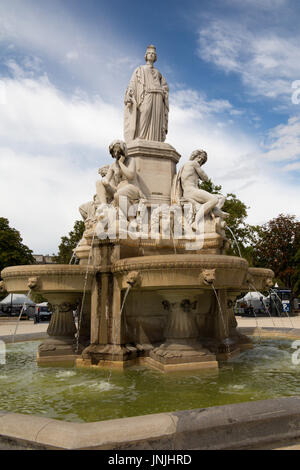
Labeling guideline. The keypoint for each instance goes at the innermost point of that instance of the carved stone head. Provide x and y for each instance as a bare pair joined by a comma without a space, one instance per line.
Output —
269,282
118,149
207,277
150,54
32,282
133,279
103,170
2,287
200,155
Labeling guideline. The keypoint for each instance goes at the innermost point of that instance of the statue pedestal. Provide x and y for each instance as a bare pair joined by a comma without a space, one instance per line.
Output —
155,168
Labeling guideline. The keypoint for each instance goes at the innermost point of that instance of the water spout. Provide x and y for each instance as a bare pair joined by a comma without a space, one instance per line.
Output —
256,320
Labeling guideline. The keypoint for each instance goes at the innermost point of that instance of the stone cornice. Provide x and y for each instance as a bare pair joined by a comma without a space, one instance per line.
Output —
147,263
46,270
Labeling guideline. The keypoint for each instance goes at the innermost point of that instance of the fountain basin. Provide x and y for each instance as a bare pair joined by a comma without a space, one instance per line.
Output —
198,288
65,287
183,270
265,373
48,279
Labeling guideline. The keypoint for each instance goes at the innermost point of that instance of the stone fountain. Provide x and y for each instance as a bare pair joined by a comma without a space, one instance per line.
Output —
153,285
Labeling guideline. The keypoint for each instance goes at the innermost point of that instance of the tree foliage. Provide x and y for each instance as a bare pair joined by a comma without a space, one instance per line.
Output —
12,251
68,244
296,277
277,246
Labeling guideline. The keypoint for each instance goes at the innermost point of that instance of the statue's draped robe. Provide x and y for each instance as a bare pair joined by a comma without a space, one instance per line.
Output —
147,117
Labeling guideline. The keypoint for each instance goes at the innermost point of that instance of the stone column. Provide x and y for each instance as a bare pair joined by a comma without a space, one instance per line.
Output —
60,346
227,346
181,349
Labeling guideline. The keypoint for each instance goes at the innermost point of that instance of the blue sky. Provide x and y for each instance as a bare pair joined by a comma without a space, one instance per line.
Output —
64,68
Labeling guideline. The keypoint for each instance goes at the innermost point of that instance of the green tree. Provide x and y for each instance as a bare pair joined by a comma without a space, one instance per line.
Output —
236,221
276,247
68,244
37,298
296,277
12,251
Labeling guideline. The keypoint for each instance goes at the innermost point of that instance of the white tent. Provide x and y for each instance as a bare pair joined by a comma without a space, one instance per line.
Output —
253,299
16,300
253,296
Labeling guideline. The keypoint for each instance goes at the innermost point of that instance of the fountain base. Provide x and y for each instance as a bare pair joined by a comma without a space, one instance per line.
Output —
181,355
57,350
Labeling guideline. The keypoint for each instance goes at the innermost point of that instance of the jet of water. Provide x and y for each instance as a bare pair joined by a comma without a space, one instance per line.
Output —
20,315
263,305
256,320
83,295
73,254
235,240
284,311
226,340
116,331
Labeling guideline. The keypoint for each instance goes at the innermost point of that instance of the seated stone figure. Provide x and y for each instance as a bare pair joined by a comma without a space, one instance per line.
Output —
106,189
121,176
88,211
186,186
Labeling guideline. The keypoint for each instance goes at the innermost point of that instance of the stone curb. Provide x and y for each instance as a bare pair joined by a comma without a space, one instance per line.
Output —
270,331
23,337
238,426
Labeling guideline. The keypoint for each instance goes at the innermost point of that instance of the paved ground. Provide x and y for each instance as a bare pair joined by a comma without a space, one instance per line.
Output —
24,327
274,322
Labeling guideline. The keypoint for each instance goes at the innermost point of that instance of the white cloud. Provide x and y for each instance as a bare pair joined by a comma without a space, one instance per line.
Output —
199,105
101,62
44,178
40,196
36,112
292,167
72,56
258,4
266,60
283,141
238,163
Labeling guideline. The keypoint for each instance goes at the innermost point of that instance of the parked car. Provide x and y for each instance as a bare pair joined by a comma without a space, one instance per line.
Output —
42,313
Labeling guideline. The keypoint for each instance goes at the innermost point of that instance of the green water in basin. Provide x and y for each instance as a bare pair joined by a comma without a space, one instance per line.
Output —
85,395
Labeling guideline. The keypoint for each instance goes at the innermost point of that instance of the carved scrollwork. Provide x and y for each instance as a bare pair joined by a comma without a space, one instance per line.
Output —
186,305
63,307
